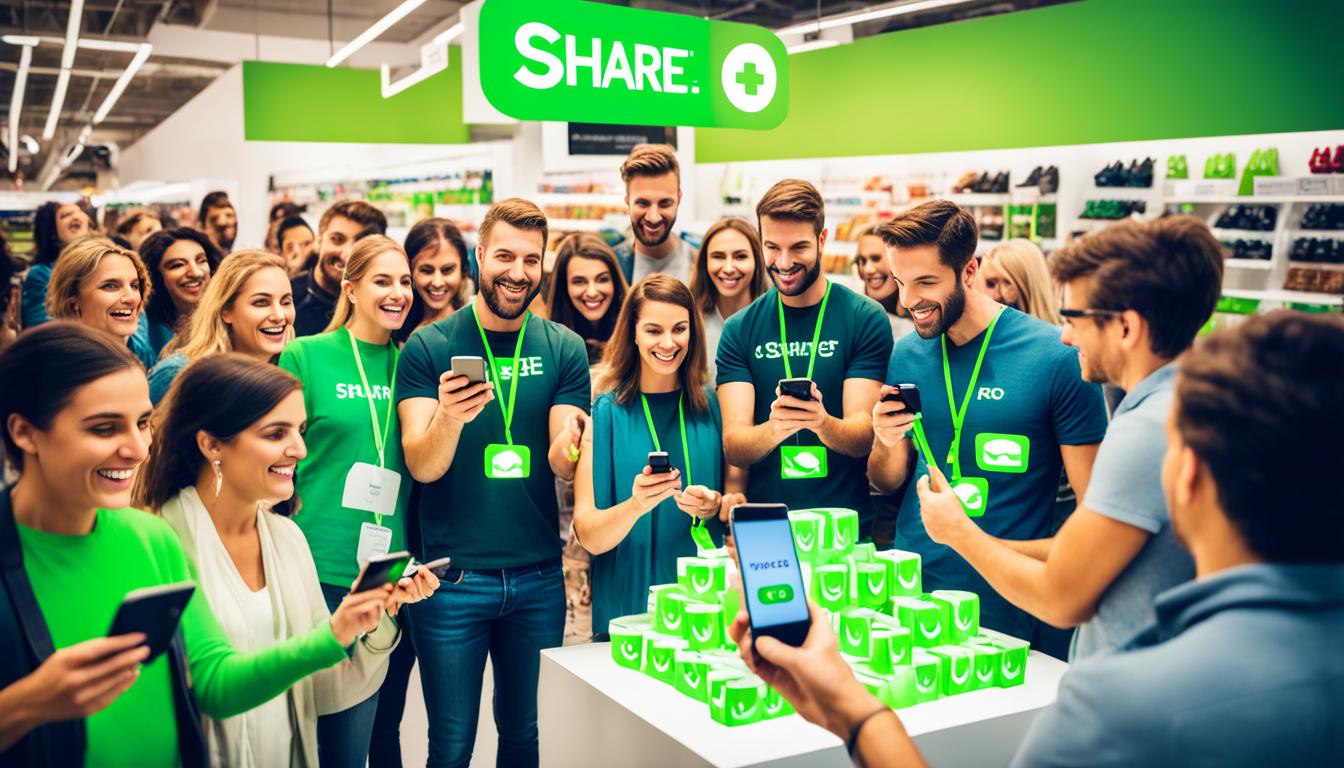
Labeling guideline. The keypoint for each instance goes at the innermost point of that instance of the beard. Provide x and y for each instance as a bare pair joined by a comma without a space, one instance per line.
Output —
809,277
949,312
490,291
647,242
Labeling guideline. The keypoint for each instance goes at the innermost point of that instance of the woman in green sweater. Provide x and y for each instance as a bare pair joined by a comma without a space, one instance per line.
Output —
75,408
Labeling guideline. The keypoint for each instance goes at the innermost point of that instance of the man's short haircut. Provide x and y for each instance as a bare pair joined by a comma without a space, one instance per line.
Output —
217,199
650,160
793,200
367,216
1259,404
516,212
1170,271
939,223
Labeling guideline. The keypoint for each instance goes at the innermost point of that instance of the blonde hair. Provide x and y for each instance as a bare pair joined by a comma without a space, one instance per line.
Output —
650,160
207,333
1024,263
77,261
362,255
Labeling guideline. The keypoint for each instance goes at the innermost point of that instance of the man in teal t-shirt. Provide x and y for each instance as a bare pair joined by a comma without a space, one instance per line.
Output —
488,455
802,452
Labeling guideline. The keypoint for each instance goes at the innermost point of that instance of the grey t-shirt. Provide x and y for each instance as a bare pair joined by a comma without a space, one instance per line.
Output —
713,330
1126,486
677,263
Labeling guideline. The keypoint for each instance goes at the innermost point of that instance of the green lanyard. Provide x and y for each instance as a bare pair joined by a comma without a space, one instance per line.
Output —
959,416
703,541
816,333
507,412
379,436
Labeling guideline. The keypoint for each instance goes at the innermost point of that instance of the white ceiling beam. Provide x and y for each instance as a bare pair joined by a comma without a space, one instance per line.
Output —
67,61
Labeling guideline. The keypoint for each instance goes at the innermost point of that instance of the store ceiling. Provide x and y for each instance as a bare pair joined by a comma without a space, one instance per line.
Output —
165,83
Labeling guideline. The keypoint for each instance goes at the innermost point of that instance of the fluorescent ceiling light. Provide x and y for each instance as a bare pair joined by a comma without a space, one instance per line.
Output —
812,45
67,61
847,19
30,144
141,54
108,45
450,34
16,105
369,35
20,39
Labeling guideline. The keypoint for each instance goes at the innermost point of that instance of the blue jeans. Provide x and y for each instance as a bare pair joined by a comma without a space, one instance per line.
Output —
343,737
511,615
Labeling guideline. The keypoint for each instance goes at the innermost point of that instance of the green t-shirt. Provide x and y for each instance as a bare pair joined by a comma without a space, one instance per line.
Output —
496,523
340,433
855,343
79,582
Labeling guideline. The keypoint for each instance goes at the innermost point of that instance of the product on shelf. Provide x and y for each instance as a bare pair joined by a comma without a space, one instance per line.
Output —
1259,250
1045,179
1137,174
1222,166
1177,168
1256,218
1315,280
989,220
982,183
1323,216
1112,209
905,645
1318,250
1264,162
1322,163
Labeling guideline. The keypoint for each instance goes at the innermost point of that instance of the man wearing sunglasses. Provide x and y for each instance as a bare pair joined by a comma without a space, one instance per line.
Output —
1135,295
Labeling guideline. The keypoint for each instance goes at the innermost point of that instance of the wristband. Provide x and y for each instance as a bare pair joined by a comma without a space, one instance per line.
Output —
854,732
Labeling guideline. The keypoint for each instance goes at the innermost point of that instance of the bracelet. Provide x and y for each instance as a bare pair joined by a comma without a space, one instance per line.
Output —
854,732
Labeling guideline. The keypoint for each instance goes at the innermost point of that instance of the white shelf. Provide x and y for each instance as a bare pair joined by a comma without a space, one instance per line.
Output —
1238,199
1296,297
1320,234
1260,264
578,225
1243,234
578,198
978,199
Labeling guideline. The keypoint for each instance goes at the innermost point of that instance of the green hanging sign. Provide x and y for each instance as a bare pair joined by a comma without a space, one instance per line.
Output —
573,61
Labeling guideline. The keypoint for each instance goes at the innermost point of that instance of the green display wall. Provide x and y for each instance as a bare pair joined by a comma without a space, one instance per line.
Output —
1079,73
300,102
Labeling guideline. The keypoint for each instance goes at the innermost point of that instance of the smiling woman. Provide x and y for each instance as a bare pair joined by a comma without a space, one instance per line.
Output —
587,290
101,285
180,262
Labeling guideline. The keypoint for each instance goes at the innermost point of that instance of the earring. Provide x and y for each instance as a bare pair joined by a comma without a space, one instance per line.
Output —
219,478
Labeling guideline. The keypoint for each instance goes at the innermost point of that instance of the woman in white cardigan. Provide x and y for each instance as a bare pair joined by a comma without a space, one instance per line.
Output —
227,440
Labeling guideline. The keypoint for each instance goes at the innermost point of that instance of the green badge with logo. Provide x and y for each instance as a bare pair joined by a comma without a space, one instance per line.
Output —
1002,453
802,462
974,495
580,61
503,461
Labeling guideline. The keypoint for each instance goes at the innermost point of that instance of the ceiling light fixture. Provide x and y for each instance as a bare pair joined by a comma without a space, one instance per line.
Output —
141,55
16,106
812,45
109,45
30,144
862,16
67,61
369,35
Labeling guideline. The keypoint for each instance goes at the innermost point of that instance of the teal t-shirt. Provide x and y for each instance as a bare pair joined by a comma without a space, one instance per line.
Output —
507,522
1030,399
340,433
855,343
648,554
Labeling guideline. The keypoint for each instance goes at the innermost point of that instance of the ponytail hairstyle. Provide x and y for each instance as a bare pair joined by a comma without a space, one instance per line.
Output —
621,361
362,255
221,395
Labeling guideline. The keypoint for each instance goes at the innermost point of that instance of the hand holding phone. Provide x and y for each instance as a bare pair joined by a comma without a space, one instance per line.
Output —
659,463
772,579
797,387
463,402
381,571
470,366
153,612
892,424
907,395
651,487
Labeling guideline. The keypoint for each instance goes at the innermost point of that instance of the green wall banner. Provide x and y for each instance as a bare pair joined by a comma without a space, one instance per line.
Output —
577,61
300,102
1077,73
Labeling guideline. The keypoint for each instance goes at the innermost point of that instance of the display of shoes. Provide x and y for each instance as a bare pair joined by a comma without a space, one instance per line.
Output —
1256,218
1259,250
1137,174
1321,162
1319,250
1323,216
1323,280
1222,166
1034,178
1044,178
1112,209
982,183
1177,167
966,182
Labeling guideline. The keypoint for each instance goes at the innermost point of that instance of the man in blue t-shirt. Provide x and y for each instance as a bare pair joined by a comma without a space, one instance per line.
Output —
1004,407
1135,295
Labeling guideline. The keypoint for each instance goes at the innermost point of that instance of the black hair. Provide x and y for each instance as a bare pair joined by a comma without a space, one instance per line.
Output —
286,210
217,199
289,222
427,234
47,243
161,307
41,372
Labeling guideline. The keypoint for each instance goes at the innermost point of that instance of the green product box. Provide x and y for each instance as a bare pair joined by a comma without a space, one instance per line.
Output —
864,552
905,579
627,646
726,660
963,611
1013,665
692,674
809,532
831,586
731,600
928,669
776,705
655,591
641,621
703,578
854,630
924,619
842,532
988,659
670,614
890,647
739,701
958,672
900,688
660,661
875,683
873,585
703,625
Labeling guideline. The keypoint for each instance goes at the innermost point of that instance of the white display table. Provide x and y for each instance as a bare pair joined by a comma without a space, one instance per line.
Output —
593,713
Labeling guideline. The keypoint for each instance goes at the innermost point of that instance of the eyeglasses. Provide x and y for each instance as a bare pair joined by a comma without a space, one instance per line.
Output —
1091,312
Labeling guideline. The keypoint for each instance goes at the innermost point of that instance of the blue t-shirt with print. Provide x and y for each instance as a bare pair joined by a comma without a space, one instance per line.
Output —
1029,400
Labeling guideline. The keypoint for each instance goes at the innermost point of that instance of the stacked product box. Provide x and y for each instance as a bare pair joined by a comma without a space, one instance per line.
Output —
905,645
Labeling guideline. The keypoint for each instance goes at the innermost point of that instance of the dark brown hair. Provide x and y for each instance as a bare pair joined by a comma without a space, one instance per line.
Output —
42,370
516,212
1259,404
702,287
650,160
1170,271
622,362
560,308
161,307
364,214
939,223
222,395
793,200
213,200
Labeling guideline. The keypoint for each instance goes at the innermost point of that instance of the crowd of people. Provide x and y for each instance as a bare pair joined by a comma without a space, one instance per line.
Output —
176,409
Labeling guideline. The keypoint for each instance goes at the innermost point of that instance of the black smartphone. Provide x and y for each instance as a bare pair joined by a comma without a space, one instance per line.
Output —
155,612
659,463
438,567
905,393
799,388
387,569
470,366
772,580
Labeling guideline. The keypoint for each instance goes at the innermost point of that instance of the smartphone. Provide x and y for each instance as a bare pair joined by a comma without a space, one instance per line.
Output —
659,463
772,580
470,366
387,569
437,567
155,612
799,388
906,393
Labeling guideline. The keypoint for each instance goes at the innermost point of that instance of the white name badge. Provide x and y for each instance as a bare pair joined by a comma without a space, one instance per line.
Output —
371,488
374,541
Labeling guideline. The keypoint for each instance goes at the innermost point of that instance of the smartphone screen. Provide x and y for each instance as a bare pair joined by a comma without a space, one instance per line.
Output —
771,578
